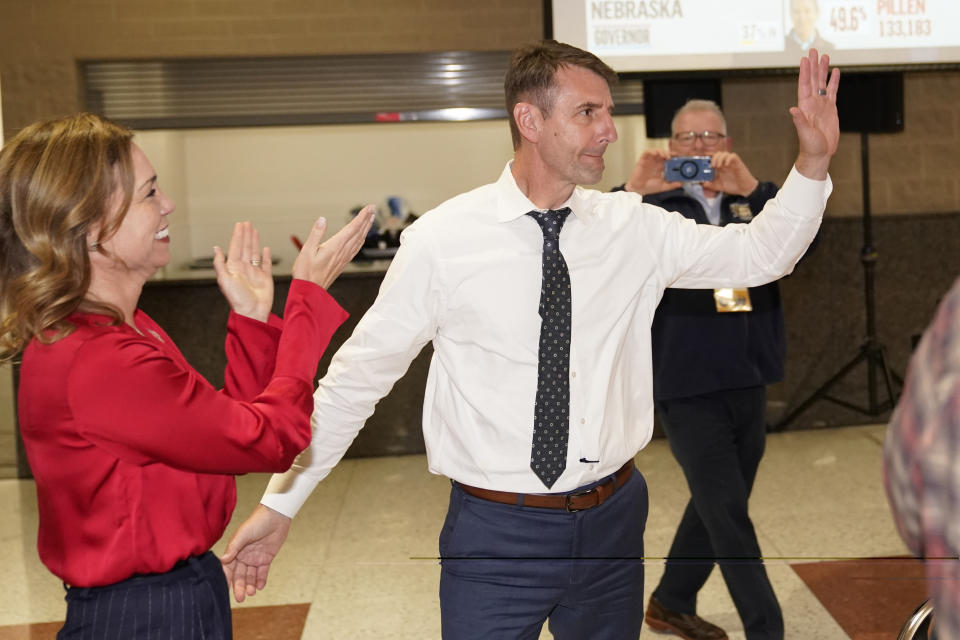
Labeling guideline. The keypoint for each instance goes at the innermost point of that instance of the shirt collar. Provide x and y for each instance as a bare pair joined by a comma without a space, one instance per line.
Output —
693,190
711,207
804,44
512,204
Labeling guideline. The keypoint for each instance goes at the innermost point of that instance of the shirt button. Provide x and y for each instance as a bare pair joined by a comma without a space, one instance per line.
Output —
583,421
573,374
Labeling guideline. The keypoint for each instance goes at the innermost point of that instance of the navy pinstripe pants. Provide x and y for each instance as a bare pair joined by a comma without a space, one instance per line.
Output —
186,603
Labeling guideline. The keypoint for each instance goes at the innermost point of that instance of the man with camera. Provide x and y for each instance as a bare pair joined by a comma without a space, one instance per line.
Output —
714,352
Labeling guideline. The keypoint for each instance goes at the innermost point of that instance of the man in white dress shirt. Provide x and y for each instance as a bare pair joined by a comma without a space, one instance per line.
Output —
520,547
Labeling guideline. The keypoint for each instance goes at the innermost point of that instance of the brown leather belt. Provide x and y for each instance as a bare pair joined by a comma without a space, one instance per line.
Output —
578,501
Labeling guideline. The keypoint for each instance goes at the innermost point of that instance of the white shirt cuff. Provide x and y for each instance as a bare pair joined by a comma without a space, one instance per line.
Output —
286,492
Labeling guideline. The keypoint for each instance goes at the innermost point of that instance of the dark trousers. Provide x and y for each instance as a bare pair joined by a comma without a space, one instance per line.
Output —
506,569
718,439
187,603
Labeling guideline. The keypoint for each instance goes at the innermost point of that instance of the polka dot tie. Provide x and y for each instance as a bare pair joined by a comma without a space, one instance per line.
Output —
548,457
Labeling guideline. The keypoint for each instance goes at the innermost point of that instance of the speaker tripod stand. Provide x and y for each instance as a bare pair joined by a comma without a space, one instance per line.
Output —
871,352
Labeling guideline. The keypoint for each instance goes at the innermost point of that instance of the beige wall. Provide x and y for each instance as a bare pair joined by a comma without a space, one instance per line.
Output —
284,177
8,448
8,451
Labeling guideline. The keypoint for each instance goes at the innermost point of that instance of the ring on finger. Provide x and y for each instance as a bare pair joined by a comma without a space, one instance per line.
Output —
821,92
255,262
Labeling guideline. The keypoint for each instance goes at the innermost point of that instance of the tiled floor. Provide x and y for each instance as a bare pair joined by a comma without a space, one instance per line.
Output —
362,551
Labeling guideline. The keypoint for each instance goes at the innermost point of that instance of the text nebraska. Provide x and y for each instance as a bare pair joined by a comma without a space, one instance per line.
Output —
635,9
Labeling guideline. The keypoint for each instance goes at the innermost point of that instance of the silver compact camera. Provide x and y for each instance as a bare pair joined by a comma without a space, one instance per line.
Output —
688,169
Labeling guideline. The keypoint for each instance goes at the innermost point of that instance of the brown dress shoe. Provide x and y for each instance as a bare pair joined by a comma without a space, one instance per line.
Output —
685,625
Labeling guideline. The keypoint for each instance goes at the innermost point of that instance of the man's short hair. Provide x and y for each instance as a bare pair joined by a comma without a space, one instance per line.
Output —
532,74
697,104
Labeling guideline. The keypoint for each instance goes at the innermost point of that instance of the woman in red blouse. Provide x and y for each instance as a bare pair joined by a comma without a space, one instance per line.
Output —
132,450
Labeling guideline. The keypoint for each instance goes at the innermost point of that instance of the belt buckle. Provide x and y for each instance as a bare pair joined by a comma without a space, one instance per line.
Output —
570,509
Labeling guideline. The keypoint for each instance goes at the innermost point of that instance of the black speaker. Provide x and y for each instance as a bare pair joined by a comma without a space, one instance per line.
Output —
871,102
662,98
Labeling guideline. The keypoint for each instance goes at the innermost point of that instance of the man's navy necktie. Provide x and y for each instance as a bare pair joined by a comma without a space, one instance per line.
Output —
548,457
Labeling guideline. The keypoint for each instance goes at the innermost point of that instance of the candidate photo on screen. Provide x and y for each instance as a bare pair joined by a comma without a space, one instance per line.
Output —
803,33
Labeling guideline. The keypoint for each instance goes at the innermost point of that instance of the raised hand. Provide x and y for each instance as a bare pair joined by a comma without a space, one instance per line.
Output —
647,175
246,562
322,262
815,116
245,275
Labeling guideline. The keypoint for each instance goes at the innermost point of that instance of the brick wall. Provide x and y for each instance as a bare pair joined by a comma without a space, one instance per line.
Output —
41,40
914,171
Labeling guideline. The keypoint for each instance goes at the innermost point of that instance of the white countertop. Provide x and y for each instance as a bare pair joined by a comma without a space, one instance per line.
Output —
173,273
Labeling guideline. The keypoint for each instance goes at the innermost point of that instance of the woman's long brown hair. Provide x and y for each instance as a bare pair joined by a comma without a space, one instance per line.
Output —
56,180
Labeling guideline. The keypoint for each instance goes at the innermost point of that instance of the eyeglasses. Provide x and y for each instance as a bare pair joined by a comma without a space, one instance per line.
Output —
688,138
